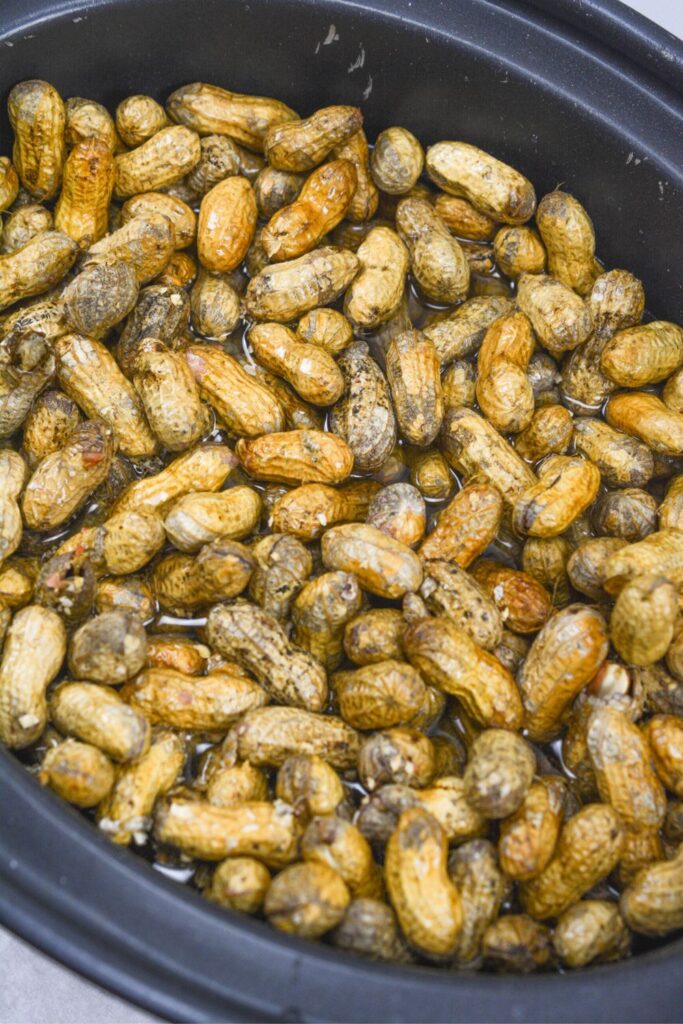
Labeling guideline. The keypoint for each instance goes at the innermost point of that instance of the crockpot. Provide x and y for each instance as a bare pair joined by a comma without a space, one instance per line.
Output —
579,93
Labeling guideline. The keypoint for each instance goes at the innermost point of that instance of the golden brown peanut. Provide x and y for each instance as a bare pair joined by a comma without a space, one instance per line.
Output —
285,291
653,903
282,566
444,800
299,456
310,785
449,659
220,158
523,603
310,370
18,579
674,655
219,571
664,734
270,735
180,653
617,301
200,518
299,415
307,511
375,294
301,145
124,543
320,612
246,407
437,260
499,771
527,838
369,929
475,448
339,845
461,332
125,814
146,243
100,297
413,376
87,119
474,871
565,655
179,272
275,189
503,389
591,931
39,265
266,831
642,622
545,558
622,461
399,511
215,306
380,695
567,486
645,416
384,566
588,848
418,884
179,213
374,636
24,678
466,526
549,432
643,355
365,197
109,648
24,223
234,784
227,221
13,474
36,114
201,703
559,317
97,715
63,481
448,590
519,250
584,385
138,118
239,883
258,643
82,210
569,240
78,772
429,472
663,548
458,384
132,594
209,110
165,157
672,393
9,184
397,755
463,219
586,566
306,899
641,847
397,161
327,328
88,373
490,185
517,943
670,509
169,395
320,205
364,416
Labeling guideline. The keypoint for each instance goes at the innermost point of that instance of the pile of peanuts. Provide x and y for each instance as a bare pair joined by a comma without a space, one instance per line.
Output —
341,528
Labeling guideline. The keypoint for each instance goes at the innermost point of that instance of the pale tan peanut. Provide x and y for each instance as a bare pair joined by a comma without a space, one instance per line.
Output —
588,848
310,785
87,119
466,526
499,771
24,223
63,481
219,571
664,734
622,460
399,511
339,845
200,518
266,831
643,415
78,772
17,584
449,590
396,755
374,636
307,511
123,543
321,204
591,931
549,432
369,929
36,114
565,656
285,291
13,475
210,110
491,186
653,903
458,384
670,508
165,157
9,184
100,297
365,197
282,567
528,837
146,243
310,370
24,678
586,566
319,613
503,389
383,566
374,296
569,239
642,621
131,594
37,266
138,118
275,189
239,883
450,660
662,548
437,260
306,899
524,605
82,210
519,250
246,407
413,376
397,161
208,703
379,695
461,332
474,871
567,486
672,393
617,301
559,317
474,447
233,784
215,306
517,943
227,221
169,395
463,219
643,355
364,416
269,736
88,373
426,902
247,634
300,145
181,215
327,328
295,457
109,648
674,654
97,715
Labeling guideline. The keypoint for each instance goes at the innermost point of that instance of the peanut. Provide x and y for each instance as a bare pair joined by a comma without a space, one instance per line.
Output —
491,186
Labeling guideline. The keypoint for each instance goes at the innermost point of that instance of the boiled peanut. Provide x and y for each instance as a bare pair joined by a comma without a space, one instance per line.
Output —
643,355
524,605
559,317
299,145
179,213
466,526
37,266
437,260
285,291
208,703
519,250
642,621
82,210
382,565
380,695
78,772
24,678
239,883
490,185
364,416
36,113
309,784
399,511
319,613
475,873
473,446
645,416
499,771
270,735
219,571
310,370
374,296
307,511
202,517
528,837
209,110
146,243
246,407
413,376
448,590
590,931
664,734
299,456
397,161
652,904
515,942
322,202
97,715
567,486
569,240
461,332
138,118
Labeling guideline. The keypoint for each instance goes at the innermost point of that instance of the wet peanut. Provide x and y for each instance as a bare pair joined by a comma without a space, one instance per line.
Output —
146,243
369,929
591,931
374,636
622,460
97,715
227,220
503,390
299,456
413,376
515,942
399,511
169,395
662,548
499,771
448,590
587,563
233,784
327,328
319,613
282,566
380,695
382,565
108,649
397,161
645,416
528,837
374,296
179,213
559,317
545,558
36,114
519,250
285,291
339,845
466,526
567,486
569,240
461,332
642,621
364,417
131,594
82,210
458,384
209,110
220,570
653,903
269,736
100,297
664,734
307,511
200,518
490,185
275,189
37,266
24,678
246,407
306,899
437,260
87,119
474,871
320,205
310,785
643,355
208,703
138,118
524,605
310,370
215,307
365,197
239,883
77,772
165,157
396,755
23,224
303,144
474,447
